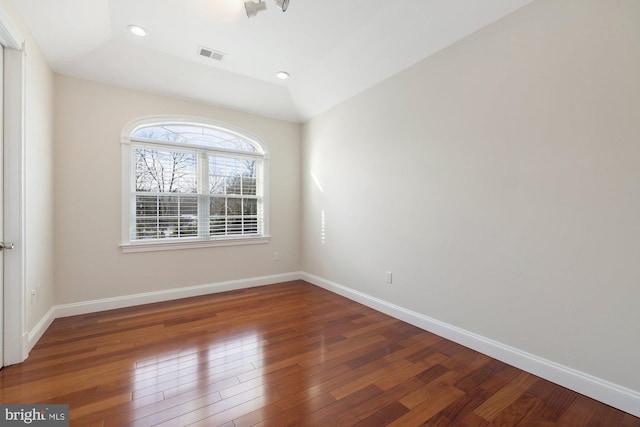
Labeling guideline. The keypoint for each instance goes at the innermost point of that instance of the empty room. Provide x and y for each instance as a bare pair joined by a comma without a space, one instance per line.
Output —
320,213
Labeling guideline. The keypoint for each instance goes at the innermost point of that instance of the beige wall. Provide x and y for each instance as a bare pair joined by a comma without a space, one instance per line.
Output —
90,118
499,181
39,185
38,175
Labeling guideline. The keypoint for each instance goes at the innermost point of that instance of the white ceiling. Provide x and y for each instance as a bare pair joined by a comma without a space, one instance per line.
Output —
333,49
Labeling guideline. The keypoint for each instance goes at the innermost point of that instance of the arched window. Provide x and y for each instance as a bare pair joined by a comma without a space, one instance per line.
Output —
190,183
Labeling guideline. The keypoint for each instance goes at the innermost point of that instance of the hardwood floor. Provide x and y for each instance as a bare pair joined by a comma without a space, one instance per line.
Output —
286,354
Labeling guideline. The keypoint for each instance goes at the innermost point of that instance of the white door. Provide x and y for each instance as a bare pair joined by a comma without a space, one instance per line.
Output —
1,205
12,340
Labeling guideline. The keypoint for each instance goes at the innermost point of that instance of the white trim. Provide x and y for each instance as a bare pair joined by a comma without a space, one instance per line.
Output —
10,36
85,307
127,216
195,244
604,391
42,326
146,142
15,311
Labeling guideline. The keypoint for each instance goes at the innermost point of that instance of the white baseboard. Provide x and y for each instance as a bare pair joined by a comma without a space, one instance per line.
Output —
604,391
66,310
94,306
36,333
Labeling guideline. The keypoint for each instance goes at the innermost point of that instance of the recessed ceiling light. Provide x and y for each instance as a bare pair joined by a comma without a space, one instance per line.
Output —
138,31
282,75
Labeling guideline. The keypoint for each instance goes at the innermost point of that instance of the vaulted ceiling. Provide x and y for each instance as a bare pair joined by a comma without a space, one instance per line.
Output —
332,49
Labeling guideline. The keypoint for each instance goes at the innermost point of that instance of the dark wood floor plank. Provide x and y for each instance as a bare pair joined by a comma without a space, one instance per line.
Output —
283,408
459,409
279,355
366,377
294,413
426,402
342,406
417,370
384,415
516,411
506,396
389,397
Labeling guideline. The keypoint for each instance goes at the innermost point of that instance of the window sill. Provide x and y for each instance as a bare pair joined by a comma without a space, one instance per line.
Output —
193,244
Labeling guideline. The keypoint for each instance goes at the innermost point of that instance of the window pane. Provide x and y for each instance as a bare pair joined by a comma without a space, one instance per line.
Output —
146,228
146,206
167,227
189,207
188,227
216,184
234,206
248,176
196,135
234,185
250,207
229,175
168,206
159,217
233,216
249,186
219,171
218,206
164,171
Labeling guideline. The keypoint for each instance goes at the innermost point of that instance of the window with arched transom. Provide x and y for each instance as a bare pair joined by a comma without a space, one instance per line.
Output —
190,183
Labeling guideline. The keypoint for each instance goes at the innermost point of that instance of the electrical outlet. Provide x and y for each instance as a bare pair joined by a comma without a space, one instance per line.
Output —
388,277
34,293
276,256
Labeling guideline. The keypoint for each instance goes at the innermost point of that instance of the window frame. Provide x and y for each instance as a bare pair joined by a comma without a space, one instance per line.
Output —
128,215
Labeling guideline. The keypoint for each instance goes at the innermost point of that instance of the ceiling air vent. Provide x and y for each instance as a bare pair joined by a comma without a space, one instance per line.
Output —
210,53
